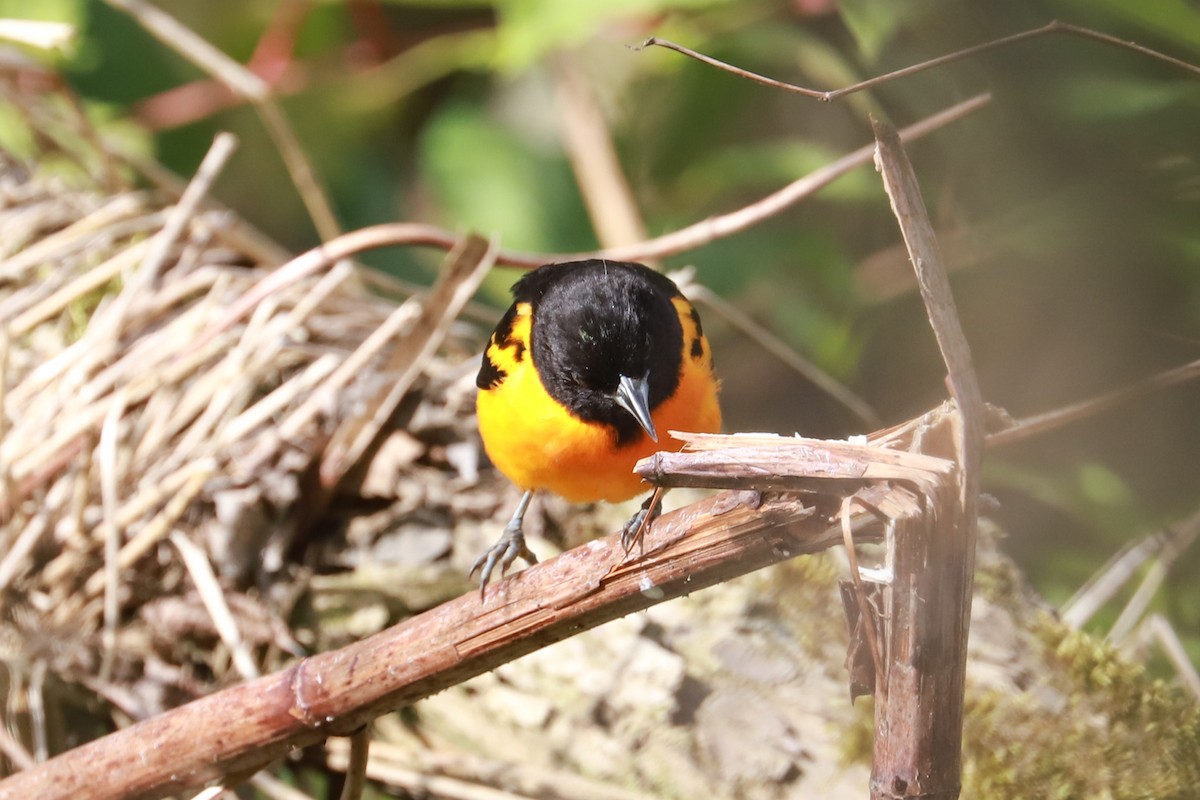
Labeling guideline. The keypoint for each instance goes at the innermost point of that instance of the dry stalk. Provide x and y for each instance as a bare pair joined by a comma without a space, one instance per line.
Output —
611,205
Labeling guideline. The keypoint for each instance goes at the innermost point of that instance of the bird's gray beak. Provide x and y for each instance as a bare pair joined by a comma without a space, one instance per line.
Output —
633,395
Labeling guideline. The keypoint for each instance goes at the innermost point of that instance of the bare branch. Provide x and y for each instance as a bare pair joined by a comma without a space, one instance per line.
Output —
356,766
335,693
1054,27
1039,424
772,344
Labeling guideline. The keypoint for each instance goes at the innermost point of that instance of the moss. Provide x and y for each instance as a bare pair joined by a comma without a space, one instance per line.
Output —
798,592
1091,725
1056,713
858,739
997,579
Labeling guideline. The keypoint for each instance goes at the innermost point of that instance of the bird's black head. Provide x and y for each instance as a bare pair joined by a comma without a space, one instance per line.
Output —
596,321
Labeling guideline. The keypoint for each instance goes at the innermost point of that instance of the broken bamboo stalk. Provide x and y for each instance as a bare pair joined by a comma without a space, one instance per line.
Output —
927,605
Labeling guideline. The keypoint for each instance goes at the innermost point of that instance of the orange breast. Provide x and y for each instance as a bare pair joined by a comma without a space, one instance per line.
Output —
539,445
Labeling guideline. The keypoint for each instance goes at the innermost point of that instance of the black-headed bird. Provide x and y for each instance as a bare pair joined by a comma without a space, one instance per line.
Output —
583,375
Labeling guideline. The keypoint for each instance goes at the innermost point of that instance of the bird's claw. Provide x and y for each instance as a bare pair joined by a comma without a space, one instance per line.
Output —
507,549
635,528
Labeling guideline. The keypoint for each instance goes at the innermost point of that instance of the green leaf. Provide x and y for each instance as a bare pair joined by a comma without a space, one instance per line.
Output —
768,166
529,29
72,12
1106,489
44,28
873,23
1114,97
487,178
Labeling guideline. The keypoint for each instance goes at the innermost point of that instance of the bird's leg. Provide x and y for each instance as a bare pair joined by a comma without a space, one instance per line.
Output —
507,549
635,528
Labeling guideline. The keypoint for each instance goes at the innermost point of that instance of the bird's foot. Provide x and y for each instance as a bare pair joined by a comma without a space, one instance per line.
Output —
635,528
507,549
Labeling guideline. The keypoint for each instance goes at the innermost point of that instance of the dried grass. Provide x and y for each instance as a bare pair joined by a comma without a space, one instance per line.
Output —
152,480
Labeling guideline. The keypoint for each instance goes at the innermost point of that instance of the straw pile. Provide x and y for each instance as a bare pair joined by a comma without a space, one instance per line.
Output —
154,539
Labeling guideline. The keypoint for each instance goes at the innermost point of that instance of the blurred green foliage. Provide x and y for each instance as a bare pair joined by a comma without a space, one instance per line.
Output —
1067,208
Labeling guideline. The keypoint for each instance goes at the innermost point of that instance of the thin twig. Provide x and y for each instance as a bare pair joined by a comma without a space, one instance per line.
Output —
321,257
195,49
300,168
1135,609
724,225
325,396
866,618
138,390
245,83
1036,425
279,399
1164,633
14,561
79,234
1177,541
109,463
36,701
356,766
213,598
234,231
1054,27
776,347
463,271
89,281
1104,584
214,161
159,527
13,750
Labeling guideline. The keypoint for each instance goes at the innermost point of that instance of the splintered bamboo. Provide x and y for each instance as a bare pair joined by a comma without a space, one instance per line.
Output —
919,696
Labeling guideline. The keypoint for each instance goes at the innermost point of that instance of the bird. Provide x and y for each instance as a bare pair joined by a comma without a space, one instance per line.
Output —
591,363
